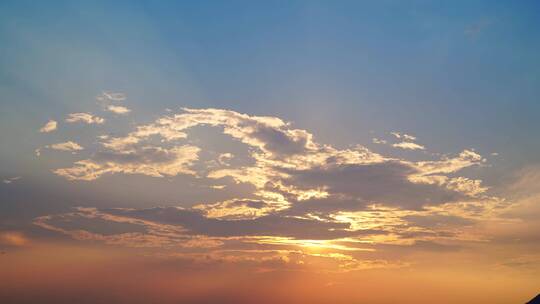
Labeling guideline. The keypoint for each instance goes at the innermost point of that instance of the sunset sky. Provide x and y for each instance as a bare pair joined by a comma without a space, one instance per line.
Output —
269,151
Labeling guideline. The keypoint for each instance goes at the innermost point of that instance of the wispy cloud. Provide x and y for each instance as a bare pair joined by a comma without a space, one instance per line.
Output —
10,180
84,118
408,146
403,136
111,96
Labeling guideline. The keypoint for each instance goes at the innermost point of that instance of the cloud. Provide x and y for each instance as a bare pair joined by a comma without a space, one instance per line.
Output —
174,226
10,180
403,136
50,126
289,166
13,238
353,186
151,161
300,193
408,146
407,142
66,146
85,118
118,109
111,96
224,158
272,225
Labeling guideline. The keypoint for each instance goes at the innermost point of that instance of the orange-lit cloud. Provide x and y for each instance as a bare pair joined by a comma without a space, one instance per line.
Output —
50,126
13,238
311,207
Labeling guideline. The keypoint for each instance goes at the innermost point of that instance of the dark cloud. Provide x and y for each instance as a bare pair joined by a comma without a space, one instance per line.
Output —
277,141
270,225
386,183
324,206
248,203
96,225
432,221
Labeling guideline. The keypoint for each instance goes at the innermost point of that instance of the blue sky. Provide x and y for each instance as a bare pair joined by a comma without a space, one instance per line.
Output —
457,75
437,70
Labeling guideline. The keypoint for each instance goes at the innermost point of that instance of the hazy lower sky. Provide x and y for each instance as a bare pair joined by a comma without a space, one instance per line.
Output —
292,151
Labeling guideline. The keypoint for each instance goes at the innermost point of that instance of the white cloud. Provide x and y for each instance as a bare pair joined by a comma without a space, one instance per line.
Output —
407,137
66,146
288,165
299,193
224,158
10,180
50,126
85,118
151,161
112,96
408,146
118,109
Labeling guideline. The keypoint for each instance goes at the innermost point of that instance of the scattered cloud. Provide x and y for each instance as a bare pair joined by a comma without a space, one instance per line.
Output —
302,194
84,118
408,146
151,161
409,137
50,126
118,109
66,146
111,96
403,136
10,180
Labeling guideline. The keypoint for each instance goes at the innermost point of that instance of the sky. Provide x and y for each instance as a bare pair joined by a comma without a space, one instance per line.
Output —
269,151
